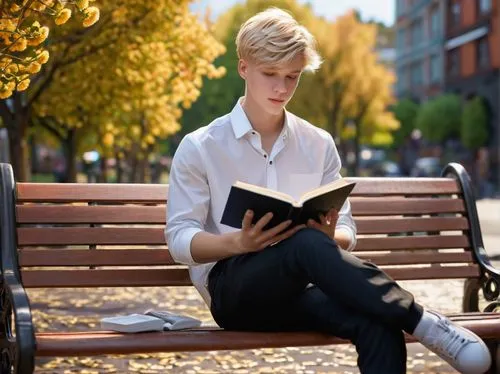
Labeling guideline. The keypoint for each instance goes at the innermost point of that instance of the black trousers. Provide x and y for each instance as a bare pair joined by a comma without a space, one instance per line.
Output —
271,290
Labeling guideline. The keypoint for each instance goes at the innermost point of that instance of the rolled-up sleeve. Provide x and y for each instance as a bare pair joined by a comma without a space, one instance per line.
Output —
188,201
332,172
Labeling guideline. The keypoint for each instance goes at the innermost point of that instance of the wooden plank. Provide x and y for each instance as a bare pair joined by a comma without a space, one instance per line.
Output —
412,224
487,326
380,206
412,242
404,186
180,277
71,214
122,214
105,278
98,257
144,257
90,235
418,258
157,193
155,235
92,192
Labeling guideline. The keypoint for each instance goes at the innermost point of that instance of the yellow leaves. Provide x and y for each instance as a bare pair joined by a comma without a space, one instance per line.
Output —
34,68
43,57
91,16
82,4
39,37
63,16
108,139
23,85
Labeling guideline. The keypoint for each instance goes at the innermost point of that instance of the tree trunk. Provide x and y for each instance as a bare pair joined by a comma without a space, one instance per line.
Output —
120,177
69,147
103,176
19,153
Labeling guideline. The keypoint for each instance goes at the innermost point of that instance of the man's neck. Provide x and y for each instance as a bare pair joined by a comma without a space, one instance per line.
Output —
267,125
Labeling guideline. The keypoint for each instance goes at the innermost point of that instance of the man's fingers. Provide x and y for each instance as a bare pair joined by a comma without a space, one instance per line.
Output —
269,234
247,220
283,236
263,221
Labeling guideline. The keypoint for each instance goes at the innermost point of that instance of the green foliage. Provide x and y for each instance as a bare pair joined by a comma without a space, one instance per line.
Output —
440,118
474,131
406,112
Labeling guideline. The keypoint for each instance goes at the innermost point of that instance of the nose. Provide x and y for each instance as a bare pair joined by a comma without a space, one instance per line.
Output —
280,86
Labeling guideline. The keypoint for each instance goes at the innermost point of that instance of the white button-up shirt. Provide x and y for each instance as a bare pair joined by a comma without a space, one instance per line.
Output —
209,160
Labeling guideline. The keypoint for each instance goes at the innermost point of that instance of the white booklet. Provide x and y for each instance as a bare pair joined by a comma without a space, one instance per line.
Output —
149,321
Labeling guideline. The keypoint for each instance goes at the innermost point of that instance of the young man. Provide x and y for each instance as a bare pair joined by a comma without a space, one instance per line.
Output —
284,279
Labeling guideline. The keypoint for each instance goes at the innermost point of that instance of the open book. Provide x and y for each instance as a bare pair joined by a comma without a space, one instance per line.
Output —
149,321
311,204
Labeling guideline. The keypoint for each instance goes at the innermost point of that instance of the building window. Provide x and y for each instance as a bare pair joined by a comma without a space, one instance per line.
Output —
417,74
454,62
435,69
483,53
434,31
417,32
484,6
455,11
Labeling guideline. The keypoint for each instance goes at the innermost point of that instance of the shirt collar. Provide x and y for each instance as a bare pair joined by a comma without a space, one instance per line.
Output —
241,125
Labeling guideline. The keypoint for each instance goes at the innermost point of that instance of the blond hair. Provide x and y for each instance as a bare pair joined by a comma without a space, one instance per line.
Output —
273,37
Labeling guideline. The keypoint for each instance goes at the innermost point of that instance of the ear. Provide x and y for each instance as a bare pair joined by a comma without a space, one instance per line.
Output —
242,68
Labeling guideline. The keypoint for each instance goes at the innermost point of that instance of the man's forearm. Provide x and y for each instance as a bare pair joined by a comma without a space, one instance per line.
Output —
206,247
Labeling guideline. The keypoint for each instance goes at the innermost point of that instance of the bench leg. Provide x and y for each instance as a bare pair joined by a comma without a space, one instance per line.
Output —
470,302
7,341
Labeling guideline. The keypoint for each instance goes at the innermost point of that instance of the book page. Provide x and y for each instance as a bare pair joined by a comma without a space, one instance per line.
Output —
323,189
266,191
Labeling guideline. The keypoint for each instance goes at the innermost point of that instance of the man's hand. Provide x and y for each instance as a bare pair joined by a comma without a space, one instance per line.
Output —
252,238
327,224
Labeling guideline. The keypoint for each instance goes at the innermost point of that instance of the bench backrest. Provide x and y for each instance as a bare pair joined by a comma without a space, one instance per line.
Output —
88,235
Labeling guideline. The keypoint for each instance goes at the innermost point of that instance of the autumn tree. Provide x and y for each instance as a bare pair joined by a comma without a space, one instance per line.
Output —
122,85
26,61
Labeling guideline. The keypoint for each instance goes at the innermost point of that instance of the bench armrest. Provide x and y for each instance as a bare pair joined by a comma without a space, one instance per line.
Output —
458,172
13,298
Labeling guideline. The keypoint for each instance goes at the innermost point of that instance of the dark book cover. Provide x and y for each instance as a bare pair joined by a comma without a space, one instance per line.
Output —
241,199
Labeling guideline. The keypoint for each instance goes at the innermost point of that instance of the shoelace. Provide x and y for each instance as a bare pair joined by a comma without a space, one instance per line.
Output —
449,341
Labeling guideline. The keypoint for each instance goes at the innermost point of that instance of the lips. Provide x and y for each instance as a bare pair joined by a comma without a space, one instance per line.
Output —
277,101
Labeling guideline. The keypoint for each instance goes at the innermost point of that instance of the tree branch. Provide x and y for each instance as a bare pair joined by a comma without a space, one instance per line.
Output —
48,123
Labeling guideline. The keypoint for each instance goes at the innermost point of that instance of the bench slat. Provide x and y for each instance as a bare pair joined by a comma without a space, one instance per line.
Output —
71,214
117,214
90,235
404,186
155,235
411,224
94,192
404,206
207,339
150,193
144,257
180,277
412,242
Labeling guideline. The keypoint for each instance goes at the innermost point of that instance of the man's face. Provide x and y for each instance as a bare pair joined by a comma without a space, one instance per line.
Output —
271,88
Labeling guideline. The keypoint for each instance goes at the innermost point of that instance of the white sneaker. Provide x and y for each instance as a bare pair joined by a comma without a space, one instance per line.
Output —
461,348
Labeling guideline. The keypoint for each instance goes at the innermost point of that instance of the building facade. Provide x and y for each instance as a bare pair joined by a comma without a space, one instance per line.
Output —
420,36
472,62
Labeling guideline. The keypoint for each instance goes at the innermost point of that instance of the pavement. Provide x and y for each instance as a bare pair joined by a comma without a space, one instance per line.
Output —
64,305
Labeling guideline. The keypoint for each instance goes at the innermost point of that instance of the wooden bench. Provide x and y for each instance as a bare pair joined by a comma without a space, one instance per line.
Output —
417,229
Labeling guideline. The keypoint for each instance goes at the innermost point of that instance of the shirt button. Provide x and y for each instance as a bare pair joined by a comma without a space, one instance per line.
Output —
253,132
270,162
265,156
